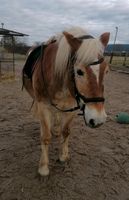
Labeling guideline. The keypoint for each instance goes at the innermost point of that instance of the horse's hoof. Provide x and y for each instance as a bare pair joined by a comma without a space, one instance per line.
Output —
63,158
62,162
43,179
43,171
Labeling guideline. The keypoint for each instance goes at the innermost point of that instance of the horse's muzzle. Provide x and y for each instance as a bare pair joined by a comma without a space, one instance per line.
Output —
94,118
93,125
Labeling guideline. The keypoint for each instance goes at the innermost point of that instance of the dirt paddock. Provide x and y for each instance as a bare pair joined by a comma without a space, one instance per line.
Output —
99,164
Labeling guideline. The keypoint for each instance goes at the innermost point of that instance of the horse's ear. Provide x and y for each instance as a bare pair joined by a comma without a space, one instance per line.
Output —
73,41
104,38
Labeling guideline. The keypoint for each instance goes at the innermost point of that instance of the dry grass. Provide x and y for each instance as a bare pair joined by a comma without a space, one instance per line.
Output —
118,60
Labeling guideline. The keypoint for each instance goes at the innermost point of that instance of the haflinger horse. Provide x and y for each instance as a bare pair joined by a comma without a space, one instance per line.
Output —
66,77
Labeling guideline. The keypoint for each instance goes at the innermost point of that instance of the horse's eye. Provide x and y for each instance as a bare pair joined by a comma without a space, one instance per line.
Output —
80,72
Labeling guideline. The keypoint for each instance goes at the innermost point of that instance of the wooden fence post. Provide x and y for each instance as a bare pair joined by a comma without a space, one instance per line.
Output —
125,58
0,71
111,57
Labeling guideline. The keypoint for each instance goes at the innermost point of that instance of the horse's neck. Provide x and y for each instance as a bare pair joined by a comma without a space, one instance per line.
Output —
62,93
56,87
54,82
60,86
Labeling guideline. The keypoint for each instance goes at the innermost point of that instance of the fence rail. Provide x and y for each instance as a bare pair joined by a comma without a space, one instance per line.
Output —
7,68
122,60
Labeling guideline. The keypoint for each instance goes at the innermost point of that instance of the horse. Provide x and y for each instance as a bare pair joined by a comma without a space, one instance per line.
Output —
67,76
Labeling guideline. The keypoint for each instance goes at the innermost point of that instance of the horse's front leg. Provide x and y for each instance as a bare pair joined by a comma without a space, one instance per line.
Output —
64,152
45,123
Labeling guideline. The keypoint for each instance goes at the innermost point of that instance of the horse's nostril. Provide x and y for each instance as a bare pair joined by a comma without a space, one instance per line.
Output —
92,122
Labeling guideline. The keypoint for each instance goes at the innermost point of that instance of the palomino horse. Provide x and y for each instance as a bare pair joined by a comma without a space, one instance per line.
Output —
67,76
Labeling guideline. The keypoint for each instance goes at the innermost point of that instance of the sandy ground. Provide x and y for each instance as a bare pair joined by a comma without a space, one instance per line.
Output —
99,164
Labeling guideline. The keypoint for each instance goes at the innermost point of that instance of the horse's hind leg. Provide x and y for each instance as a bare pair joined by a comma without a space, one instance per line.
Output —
45,122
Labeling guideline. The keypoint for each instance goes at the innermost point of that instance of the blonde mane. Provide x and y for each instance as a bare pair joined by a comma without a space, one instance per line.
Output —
87,53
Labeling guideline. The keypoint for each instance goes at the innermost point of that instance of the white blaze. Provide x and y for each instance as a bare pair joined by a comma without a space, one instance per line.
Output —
95,69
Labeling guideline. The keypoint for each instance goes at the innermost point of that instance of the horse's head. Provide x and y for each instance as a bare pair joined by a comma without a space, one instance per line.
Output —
89,68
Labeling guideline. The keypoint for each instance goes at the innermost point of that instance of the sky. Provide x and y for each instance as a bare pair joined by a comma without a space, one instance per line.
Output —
41,19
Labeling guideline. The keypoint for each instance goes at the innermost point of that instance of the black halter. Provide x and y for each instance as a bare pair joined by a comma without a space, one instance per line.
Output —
80,99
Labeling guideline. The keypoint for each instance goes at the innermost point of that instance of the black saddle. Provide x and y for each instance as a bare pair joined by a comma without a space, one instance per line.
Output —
34,55
31,60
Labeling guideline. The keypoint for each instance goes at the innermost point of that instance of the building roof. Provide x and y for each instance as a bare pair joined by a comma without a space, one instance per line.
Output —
117,48
7,32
